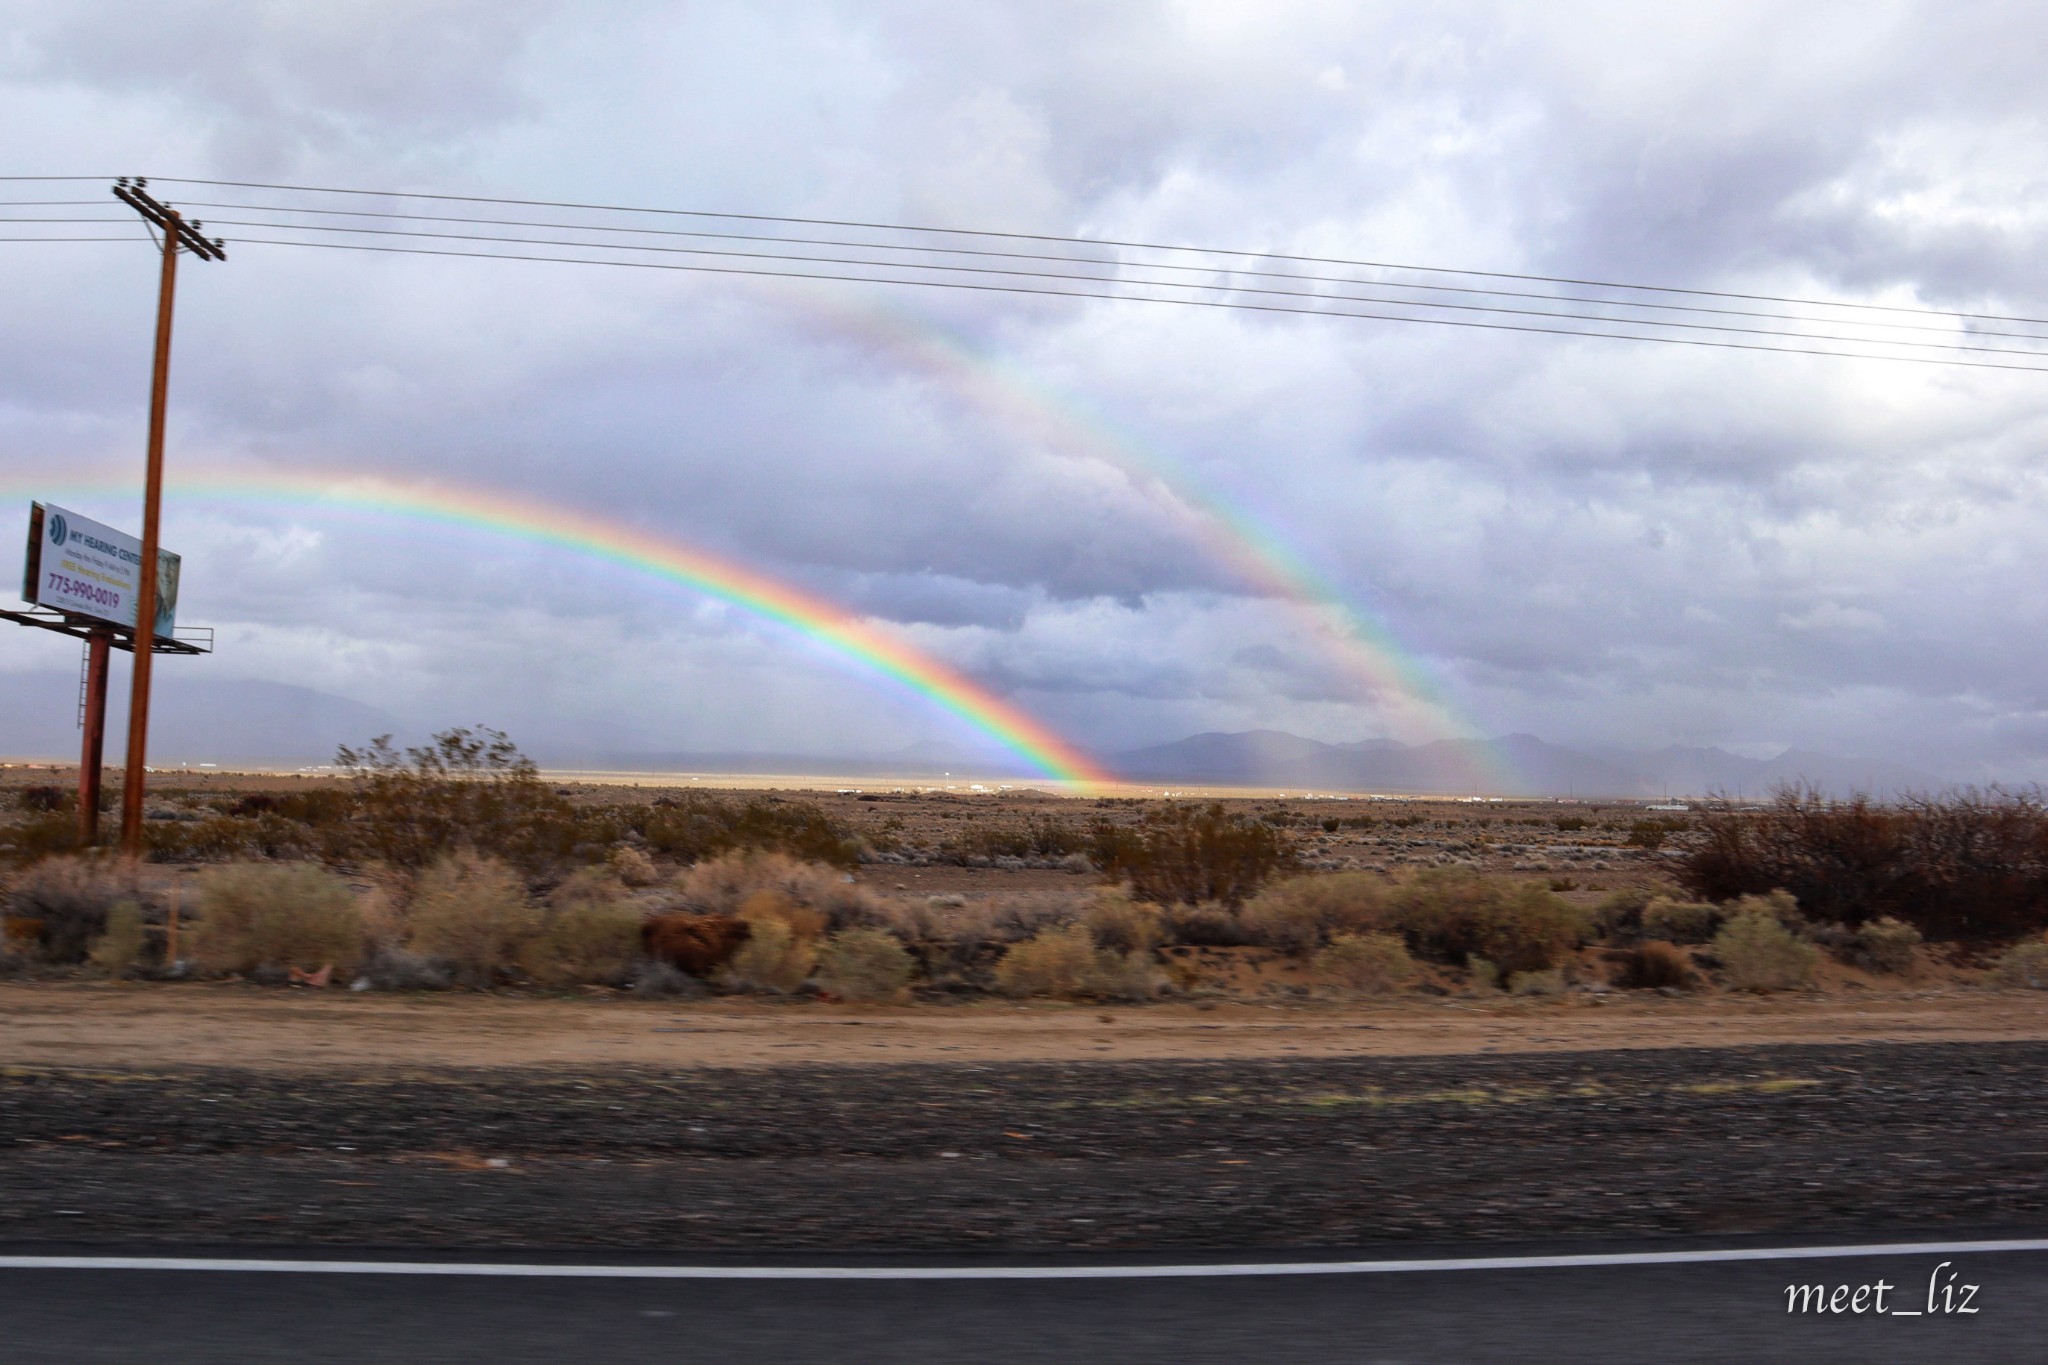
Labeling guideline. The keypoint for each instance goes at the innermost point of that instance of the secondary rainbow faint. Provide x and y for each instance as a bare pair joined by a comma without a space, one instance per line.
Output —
498,513
1359,643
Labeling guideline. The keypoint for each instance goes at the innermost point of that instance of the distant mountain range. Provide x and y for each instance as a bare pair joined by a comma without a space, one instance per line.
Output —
1519,765
275,724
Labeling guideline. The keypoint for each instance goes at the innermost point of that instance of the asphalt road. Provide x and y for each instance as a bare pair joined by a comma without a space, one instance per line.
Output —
1656,1312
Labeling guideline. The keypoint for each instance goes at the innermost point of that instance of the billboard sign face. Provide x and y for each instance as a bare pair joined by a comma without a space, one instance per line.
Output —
78,565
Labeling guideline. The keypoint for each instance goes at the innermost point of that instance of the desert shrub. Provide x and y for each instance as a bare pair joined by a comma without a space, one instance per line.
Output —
1365,964
273,916
2023,966
43,798
588,886
1619,918
1677,921
1121,976
1300,914
65,901
471,912
1450,914
632,867
39,837
1886,944
1656,965
781,947
1485,975
1969,866
589,941
864,964
1052,962
1116,921
118,951
1187,855
1758,953
718,886
1550,982
1205,926
694,827
465,790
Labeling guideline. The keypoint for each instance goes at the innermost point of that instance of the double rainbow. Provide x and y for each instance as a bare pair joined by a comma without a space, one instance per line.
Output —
660,557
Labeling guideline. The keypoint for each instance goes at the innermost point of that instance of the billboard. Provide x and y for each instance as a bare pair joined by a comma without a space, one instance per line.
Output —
79,565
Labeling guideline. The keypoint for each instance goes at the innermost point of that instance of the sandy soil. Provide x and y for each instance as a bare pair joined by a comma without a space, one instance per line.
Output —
103,1025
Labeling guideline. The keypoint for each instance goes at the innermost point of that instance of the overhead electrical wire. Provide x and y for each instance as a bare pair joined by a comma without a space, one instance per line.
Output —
1219,282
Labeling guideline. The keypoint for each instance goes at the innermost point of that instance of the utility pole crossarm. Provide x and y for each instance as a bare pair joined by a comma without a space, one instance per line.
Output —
134,194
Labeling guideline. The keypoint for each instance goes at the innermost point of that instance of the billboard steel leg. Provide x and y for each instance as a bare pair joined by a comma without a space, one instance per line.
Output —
97,651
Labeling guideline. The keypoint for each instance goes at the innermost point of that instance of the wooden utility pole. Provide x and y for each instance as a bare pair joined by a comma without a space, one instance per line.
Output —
98,646
177,235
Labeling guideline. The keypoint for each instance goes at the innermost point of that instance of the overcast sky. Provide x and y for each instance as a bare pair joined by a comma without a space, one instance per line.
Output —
1592,541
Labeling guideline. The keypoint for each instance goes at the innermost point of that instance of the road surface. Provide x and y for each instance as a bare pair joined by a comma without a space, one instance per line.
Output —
1653,1304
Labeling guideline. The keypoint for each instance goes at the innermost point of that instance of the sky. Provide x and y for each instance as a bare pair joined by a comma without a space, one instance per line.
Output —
1593,541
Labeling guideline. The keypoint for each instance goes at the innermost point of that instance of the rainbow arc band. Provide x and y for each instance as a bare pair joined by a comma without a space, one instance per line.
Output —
664,557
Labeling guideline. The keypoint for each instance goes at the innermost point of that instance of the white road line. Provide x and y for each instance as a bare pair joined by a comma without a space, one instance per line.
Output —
517,1270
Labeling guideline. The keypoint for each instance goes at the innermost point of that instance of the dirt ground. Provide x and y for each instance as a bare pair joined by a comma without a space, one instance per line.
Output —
108,1025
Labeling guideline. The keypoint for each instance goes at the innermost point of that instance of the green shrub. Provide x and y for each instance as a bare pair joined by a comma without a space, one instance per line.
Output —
61,904
1485,976
119,949
1451,914
1302,913
864,964
584,942
1677,921
1758,953
1365,964
1619,918
2024,966
274,916
465,790
1886,944
471,912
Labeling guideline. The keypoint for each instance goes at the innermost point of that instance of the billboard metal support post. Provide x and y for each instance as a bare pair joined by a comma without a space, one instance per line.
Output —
178,234
98,648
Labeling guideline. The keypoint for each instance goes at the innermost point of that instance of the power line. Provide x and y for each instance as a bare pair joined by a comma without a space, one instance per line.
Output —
1058,258
1110,242
1192,303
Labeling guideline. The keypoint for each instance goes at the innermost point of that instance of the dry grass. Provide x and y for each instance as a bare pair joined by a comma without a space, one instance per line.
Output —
273,916
2023,966
1365,964
1758,953
1544,983
864,965
1116,921
471,912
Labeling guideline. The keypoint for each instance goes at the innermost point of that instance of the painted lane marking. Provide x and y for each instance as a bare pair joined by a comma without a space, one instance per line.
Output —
519,1270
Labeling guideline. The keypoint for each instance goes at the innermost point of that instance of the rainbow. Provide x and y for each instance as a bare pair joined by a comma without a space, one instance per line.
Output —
661,557
1412,701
